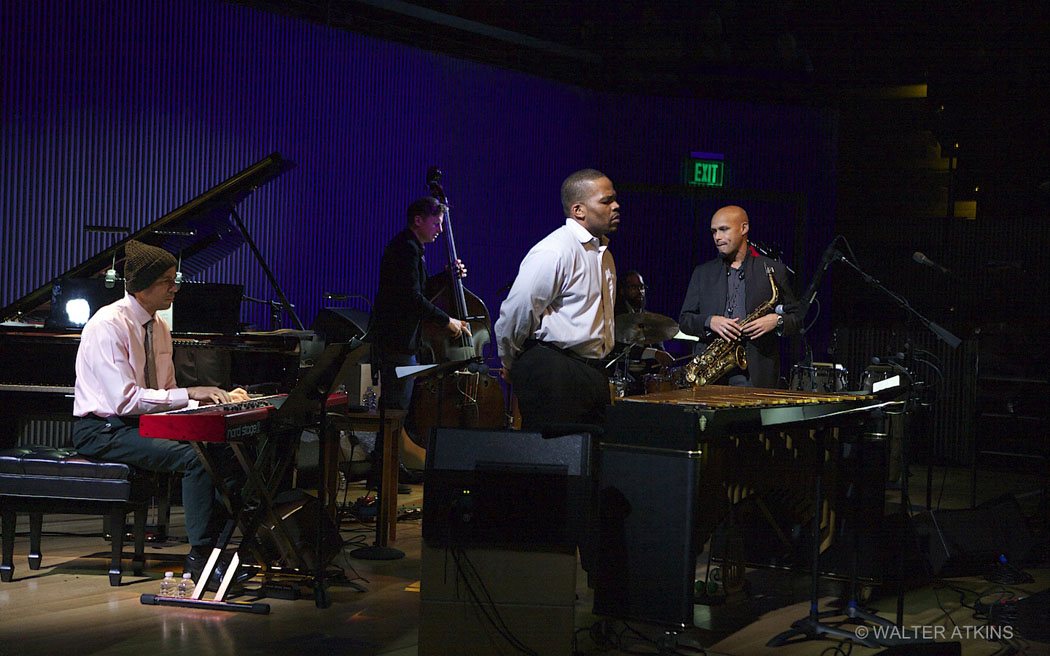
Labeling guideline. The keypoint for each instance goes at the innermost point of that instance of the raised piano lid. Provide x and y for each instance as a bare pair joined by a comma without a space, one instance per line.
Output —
203,230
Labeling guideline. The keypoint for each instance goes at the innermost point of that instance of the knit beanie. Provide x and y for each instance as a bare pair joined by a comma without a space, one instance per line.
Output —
143,264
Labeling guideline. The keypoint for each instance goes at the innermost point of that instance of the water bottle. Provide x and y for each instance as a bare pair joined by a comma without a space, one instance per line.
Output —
370,399
167,586
186,586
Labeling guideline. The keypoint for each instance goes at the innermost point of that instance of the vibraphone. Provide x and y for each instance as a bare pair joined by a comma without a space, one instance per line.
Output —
675,464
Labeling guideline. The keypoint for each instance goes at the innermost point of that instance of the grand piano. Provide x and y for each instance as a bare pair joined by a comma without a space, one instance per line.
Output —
40,332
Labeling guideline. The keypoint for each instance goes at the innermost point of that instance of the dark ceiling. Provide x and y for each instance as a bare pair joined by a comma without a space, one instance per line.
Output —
761,47
986,63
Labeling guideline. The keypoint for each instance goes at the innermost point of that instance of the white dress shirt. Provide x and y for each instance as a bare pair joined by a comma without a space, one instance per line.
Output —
564,294
111,364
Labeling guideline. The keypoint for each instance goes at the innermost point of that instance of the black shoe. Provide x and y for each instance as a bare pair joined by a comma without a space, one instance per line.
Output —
373,484
406,475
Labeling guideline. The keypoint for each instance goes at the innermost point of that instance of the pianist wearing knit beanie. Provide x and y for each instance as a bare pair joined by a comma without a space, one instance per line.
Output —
143,264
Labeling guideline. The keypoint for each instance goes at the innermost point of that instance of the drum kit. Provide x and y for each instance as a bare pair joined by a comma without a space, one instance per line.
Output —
643,376
819,377
644,328
636,376
831,377
647,329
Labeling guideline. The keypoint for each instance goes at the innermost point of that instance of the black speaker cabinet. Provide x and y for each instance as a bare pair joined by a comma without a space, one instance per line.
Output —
648,548
505,489
967,542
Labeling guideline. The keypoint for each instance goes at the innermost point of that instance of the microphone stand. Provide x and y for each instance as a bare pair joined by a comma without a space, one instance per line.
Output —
830,255
277,309
621,378
942,333
913,402
811,626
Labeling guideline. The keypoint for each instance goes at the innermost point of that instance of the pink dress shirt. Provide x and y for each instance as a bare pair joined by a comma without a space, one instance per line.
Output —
111,364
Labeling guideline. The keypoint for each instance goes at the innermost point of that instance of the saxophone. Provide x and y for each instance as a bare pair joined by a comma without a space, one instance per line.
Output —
722,356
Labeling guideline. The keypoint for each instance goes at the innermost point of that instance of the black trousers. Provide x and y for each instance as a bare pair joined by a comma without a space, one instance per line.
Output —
395,393
116,441
555,388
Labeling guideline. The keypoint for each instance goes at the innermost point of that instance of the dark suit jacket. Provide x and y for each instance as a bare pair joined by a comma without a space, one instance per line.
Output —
401,306
706,297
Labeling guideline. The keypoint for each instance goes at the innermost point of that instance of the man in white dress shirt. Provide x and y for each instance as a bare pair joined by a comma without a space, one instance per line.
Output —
556,325
124,369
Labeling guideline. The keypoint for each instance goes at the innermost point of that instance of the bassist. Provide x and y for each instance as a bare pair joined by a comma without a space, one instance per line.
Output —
401,306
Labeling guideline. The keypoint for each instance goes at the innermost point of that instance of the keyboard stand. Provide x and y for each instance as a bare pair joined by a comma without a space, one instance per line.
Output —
306,405
248,510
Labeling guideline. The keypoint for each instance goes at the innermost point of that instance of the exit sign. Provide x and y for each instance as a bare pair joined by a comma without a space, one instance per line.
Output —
705,170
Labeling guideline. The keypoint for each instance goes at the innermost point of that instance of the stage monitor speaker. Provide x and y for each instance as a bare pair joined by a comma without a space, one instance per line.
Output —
336,324
298,511
505,489
647,534
967,542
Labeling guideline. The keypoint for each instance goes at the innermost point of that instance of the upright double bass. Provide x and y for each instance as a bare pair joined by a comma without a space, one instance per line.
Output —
468,396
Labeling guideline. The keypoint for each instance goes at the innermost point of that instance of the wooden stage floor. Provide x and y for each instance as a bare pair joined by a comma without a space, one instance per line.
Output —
68,606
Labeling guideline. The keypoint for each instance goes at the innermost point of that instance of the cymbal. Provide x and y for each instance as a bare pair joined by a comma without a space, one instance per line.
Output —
644,328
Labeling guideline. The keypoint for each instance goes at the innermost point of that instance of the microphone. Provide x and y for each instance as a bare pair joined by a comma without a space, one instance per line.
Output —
433,175
830,253
922,259
111,273
332,296
772,252
894,359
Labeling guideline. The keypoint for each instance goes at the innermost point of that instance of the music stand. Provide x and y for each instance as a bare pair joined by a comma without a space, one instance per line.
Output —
310,396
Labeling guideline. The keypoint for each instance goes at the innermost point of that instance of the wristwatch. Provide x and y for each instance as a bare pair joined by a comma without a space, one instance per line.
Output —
780,323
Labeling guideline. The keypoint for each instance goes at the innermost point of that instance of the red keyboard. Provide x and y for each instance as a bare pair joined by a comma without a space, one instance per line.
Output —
224,422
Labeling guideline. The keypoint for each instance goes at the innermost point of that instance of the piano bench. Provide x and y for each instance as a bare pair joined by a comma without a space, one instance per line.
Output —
44,479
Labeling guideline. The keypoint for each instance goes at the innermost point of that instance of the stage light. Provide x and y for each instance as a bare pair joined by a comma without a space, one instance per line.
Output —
78,310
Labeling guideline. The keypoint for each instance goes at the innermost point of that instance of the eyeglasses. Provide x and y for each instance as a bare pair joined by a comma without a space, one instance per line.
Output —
637,286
